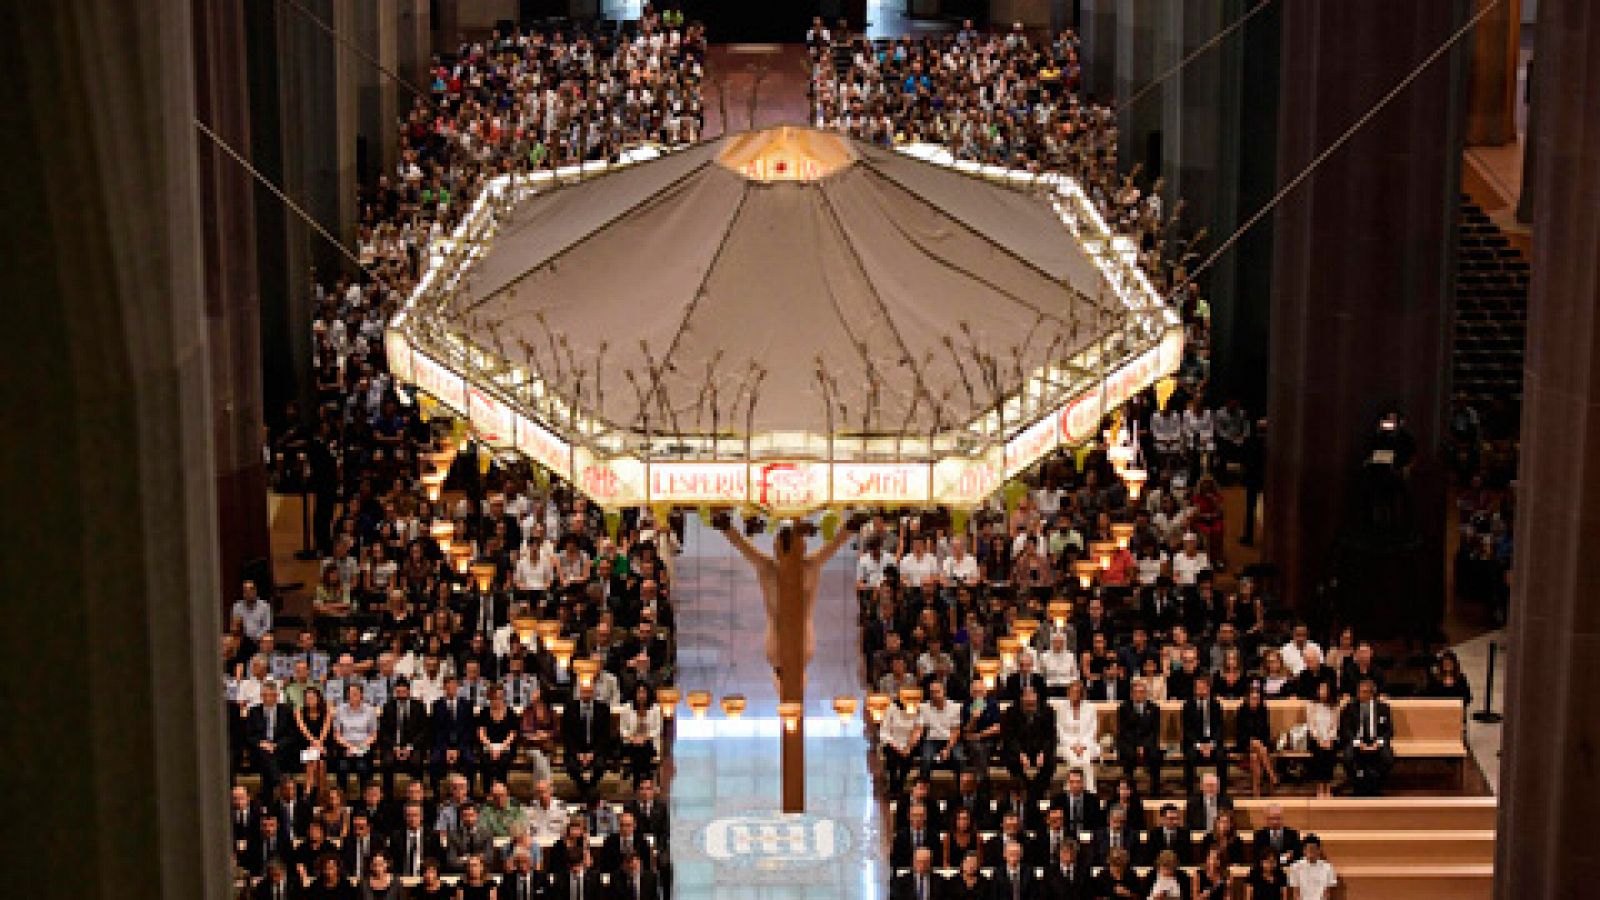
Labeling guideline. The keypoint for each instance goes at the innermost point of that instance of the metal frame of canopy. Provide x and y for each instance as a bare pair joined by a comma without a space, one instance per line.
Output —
510,406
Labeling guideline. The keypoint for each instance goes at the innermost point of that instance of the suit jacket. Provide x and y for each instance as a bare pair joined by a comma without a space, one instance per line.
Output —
415,733
1289,842
1350,723
256,854
283,727
1136,729
1091,817
1068,885
251,826
510,887
1012,690
292,825
904,887
612,851
656,824
347,851
994,850
599,737
1001,884
561,885
1161,608
1194,813
902,849
428,842
263,889
1193,724
1031,735
1182,843
454,726
460,844
622,887
1101,845
1098,692
499,610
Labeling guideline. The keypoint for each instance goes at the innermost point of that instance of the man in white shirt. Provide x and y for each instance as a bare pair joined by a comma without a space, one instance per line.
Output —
960,570
1312,876
897,735
252,616
547,815
939,727
1058,664
1294,652
1190,561
919,569
869,571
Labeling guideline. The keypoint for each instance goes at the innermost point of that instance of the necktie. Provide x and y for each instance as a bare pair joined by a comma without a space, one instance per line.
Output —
271,718
361,856
1371,730
922,887
588,728
1211,811
916,838
1077,810
1016,885
577,888
1277,839
635,887
411,853
1116,839
1205,719
400,725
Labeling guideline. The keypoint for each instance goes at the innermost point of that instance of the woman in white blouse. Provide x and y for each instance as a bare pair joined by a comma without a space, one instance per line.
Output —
1322,737
1078,733
1058,664
640,727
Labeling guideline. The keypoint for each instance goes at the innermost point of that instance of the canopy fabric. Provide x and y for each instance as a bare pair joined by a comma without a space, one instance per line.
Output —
689,272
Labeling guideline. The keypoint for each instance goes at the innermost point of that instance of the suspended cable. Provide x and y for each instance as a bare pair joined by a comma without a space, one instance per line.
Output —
356,49
305,216
1195,54
1333,148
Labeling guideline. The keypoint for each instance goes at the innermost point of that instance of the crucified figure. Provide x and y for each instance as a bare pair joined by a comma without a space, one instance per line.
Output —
789,576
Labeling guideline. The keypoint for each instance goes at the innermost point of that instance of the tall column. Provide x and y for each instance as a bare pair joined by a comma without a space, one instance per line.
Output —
1362,297
115,779
1142,51
1492,91
232,296
378,95
1097,26
1549,778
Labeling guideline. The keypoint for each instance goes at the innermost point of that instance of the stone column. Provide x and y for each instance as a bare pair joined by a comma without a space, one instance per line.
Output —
1360,321
114,783
1097,25
232,291
1548,775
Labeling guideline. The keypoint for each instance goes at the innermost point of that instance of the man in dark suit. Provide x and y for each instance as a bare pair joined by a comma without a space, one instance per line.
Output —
1030,733
1139,736
410,845
1366,729
649,812
292,809
1276,837
269,733
970,796
468,838
586,741
921,883
626,842
1025,678
268,846
523,882
276,884
484,613
359,846
1169,834
587,887
1111,686
1116,834
243,816
454,734
1203,807
916,834
1161,607
1069,876
1202,734
1080,807
1013,880
994,849
636,881
402,736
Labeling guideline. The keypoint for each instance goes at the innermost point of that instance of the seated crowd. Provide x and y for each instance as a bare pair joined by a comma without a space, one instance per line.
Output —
996,659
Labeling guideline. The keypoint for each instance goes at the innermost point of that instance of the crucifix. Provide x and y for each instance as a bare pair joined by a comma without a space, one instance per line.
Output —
788,579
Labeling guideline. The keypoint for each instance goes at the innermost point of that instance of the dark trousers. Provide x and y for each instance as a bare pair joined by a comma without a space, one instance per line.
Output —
1367,769
898,766
1038,784
586,777
411,767
271,765
1128,756
640,760
465,765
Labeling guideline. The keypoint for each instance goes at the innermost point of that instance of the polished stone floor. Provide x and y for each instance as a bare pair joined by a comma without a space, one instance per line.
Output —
728,839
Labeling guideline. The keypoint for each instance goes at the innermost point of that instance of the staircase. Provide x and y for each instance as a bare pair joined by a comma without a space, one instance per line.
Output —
1491,312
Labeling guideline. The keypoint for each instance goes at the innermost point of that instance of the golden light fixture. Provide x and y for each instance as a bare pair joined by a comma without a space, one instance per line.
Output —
1060,611
1025,629
1086,570
699,702
733,706
463,560
483,576
1009,648
667,698
790,714
845,706
442,530
561,648
527,628
434,490
547,629
988,669
1101,551
877,705
1122,533
585,669
1134,479
911,698
445,546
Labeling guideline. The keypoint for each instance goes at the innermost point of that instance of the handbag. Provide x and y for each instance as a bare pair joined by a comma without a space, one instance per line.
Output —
1296,739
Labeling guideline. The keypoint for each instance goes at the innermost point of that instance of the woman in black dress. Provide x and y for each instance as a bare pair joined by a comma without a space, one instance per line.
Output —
1447,680
308,856
314,724
1118,879
1231,682
330,883
431,887
497,738
1213,881
475,884
1128,798
961,840
969,883
1224,838
1267,880
381,882
1253,737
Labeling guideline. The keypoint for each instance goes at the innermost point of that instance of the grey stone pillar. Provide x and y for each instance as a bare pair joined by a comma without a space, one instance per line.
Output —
1098,28
378,95
1548,774
114,782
